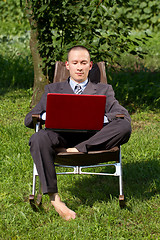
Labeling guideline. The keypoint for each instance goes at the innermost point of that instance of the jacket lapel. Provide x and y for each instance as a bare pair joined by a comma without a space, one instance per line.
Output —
90,89
66,88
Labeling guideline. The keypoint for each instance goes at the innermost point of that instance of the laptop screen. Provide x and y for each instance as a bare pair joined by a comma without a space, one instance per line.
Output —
75,112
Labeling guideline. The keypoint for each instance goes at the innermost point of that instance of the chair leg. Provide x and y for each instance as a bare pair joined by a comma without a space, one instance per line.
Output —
39,196
31,197
121,196
34,204
121,201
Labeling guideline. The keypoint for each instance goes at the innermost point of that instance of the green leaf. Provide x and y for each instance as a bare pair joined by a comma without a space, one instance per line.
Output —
143,5
43,8
155,19
147,10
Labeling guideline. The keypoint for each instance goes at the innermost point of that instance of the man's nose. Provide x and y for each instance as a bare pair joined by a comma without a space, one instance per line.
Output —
79,66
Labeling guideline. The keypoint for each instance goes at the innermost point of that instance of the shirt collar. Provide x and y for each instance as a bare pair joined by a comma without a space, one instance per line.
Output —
73,84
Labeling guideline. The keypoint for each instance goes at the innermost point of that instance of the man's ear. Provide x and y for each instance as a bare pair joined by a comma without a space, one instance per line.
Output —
67,65
91,64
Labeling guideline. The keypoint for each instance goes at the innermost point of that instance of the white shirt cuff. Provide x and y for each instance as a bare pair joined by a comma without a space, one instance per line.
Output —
105,119
43,116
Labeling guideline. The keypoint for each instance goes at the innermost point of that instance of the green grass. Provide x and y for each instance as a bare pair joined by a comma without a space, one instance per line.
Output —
94,198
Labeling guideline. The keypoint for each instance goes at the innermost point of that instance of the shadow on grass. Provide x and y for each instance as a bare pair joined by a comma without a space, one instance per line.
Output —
141,181
137,89
15,73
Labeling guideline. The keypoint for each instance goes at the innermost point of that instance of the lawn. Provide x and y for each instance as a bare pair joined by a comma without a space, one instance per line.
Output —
94,198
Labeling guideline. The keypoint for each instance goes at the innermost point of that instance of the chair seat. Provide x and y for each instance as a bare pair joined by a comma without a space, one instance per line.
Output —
86,159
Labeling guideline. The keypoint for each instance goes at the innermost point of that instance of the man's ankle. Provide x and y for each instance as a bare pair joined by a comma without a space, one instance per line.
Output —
54,196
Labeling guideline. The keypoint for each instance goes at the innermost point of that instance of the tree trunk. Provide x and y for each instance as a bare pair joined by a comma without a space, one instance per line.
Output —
40,80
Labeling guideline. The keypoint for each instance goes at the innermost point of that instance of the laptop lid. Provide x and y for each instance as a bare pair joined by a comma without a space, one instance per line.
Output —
75,112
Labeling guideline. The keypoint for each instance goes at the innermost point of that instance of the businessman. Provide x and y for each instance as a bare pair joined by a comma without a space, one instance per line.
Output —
45,144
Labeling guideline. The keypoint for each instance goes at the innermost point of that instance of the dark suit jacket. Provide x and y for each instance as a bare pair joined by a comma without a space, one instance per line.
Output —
112,105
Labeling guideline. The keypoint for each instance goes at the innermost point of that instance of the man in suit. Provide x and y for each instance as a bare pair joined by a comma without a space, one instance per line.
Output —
45,144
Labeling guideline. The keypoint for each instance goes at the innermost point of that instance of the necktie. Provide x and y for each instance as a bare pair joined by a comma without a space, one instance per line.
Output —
78,89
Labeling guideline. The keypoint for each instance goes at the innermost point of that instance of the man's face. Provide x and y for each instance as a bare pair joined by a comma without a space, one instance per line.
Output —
79,64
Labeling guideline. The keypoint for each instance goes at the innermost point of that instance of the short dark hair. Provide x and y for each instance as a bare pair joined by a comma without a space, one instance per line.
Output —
78,47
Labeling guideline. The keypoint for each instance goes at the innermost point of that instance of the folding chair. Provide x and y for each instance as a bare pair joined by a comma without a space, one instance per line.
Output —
80,162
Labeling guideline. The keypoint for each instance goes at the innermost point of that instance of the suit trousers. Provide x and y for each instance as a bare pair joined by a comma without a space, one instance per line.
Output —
43,146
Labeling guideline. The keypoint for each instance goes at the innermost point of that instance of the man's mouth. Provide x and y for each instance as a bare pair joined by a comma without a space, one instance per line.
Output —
79,74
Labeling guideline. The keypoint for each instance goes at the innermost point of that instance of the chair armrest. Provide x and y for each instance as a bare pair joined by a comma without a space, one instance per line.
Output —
36,118
37,121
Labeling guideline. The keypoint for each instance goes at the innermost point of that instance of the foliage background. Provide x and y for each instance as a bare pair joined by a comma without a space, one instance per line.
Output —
104,27
12,17
110,30
107,27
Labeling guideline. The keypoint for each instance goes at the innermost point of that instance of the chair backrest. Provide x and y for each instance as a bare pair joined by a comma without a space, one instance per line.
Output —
96,74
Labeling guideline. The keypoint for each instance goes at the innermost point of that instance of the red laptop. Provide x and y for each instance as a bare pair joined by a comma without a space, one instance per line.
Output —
68,112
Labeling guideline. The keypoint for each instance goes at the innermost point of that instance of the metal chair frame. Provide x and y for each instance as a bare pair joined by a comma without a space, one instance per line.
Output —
78,170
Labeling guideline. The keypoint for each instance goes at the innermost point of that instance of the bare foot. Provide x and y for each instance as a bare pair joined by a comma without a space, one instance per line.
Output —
61,208
72,150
